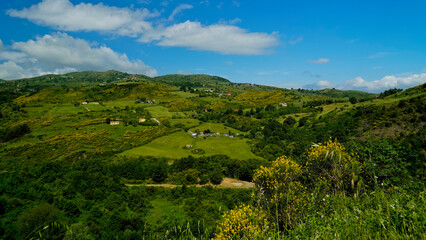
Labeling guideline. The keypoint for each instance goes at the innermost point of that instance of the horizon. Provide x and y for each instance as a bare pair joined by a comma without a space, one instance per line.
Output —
347,46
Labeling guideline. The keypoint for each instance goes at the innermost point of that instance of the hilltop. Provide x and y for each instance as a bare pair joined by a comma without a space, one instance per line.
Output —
72,144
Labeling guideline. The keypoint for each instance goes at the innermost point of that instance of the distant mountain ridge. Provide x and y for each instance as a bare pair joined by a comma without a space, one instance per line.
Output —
93,78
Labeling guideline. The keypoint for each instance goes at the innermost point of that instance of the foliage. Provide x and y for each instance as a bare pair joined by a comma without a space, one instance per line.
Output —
280,192
330,163
14,132
35,219
243,222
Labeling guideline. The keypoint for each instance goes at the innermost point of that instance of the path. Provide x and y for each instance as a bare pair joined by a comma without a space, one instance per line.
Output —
87,109
159,123
226,183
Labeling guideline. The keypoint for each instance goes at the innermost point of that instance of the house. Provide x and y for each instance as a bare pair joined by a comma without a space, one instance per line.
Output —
114,122
229,93
149,101
84,103
188,146
141,120
283,104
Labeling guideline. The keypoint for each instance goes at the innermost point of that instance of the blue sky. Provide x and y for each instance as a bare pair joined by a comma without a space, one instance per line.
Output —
362,45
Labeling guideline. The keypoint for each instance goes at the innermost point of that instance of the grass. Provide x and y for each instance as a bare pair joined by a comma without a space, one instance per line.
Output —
163,209
171,146
184,94
187,122
162,112
215,127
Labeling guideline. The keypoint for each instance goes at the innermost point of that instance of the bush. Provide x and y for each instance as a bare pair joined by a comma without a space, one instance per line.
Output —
332,165
280,191
35,219
216,177
244,222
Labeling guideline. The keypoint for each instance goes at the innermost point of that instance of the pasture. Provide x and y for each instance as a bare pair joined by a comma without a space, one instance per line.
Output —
172,146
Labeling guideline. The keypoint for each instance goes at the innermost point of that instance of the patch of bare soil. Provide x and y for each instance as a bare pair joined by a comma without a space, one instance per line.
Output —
226,183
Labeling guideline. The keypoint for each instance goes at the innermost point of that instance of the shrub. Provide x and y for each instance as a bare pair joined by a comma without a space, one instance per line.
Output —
280,192
331,164
244,222
33,220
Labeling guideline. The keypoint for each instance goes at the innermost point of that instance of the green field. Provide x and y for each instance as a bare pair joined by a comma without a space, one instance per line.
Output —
215,127
187,122
171,146
163,112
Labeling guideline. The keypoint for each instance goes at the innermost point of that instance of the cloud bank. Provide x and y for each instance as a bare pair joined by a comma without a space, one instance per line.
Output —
60,53
225,39
63,15
375,86
222,38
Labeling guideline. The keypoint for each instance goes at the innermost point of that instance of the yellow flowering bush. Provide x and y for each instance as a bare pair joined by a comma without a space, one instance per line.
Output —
280,192
244,222
331,163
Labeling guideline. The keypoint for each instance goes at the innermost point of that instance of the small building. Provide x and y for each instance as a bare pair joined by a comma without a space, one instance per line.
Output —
149,101
188,146
141,120
229,93
114,122
84,103
283,104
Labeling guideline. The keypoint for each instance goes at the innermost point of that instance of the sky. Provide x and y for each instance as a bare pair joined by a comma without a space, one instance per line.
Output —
358,45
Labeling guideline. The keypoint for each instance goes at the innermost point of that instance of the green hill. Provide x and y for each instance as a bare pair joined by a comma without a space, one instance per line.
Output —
111,155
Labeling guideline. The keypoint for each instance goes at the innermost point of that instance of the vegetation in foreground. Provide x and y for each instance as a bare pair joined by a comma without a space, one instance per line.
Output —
65,170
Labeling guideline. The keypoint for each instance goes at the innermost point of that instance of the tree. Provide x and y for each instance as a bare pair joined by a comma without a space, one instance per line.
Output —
353,100
33,220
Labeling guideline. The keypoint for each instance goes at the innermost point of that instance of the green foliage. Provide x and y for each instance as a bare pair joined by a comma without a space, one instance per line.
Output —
14,132
36,219
64,169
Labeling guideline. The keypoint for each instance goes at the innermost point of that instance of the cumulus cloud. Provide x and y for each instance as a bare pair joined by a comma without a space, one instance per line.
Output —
384,83
325,84
141,23
375,86
63,15
224,39
179,9
61,53
319,61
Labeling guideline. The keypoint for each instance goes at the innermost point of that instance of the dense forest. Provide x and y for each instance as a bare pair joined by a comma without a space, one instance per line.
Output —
113,155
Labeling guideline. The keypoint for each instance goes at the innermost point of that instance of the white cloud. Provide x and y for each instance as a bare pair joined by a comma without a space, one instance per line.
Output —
183,72
319,61
295,41
325,84
384,83
375,86
179,9
63,15
230,22
224,39
60,53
